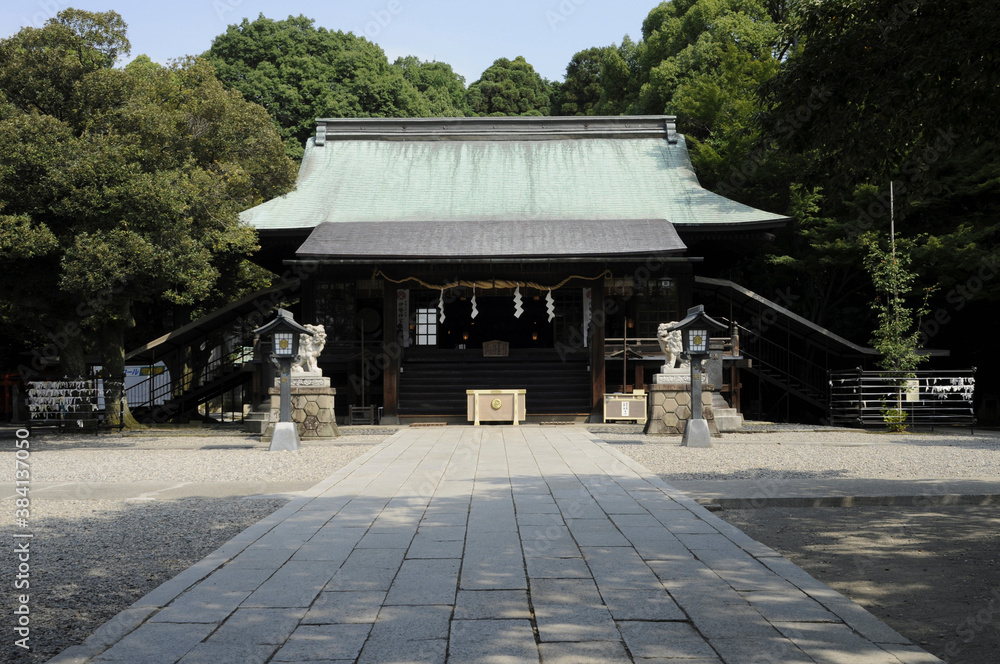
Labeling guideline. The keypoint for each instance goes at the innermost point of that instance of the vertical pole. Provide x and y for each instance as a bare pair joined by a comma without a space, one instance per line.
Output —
597,374
285,411
697,412
392,346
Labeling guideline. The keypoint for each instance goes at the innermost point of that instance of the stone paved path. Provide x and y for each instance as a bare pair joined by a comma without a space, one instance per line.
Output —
494,545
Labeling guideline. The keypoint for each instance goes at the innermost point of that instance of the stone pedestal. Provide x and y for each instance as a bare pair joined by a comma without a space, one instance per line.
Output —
671,408
312,412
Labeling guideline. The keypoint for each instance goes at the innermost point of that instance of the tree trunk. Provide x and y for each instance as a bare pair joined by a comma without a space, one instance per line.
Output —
116,412
72,358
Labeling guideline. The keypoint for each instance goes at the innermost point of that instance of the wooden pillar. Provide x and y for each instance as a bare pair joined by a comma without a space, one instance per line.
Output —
393,353
597,377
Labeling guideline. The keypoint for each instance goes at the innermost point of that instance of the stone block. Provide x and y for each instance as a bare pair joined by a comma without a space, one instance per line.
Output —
325,401
683,398
311,408
683,413
298,402
298,416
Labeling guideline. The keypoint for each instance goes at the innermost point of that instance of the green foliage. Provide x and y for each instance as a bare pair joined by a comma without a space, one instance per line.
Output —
897,337
443,89
894,418
510,87
299,72
897,72
580,93
123,187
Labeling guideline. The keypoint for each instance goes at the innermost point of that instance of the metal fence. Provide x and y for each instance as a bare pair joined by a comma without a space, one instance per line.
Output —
926,398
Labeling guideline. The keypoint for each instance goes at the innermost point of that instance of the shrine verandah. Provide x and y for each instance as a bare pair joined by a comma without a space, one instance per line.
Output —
427,240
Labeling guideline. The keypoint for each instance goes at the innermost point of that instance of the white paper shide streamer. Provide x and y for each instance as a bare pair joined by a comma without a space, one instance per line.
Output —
441,307
518,309
475,309
550,306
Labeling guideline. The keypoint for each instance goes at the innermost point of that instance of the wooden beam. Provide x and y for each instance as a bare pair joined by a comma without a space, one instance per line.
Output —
597,374
393,353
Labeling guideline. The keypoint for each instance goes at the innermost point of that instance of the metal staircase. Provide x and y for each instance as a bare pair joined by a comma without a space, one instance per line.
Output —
208,359
791,357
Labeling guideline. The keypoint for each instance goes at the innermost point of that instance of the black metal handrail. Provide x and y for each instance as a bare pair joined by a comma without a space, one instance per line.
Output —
919,398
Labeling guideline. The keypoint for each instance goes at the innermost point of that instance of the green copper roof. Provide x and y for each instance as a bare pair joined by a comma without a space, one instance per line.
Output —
500,170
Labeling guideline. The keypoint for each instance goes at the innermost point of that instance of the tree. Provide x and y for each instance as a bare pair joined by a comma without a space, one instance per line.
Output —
896,338
119,187
299,72
580,93
509,87
443,89
898,74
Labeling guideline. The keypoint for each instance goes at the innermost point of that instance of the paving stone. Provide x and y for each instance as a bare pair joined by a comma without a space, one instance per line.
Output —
345,607
217,652
619,567
369,572
496,604
426,548
640,520
425,582
568,622
539,519
773,650
259,558
310,643
628,604
565,591
664,640
684,522
156,643
557,568
834,644
293,585
585,652
259,626
395,540
492,642
552,541
596,532
788,604
202,605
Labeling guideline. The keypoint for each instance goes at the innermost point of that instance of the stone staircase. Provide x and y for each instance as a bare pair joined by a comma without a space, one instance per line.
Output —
727,419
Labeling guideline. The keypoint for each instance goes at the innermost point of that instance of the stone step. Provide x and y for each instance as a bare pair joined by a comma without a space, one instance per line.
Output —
728,420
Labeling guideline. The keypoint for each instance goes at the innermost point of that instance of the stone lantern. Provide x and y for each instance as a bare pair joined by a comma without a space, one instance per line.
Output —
284,333
695,330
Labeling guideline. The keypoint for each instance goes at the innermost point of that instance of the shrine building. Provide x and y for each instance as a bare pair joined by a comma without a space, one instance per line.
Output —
447,254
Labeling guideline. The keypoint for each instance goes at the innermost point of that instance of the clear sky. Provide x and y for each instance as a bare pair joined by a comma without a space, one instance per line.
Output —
468,35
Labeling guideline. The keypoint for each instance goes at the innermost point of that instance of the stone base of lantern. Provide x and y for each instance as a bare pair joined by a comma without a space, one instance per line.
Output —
312,413
670,408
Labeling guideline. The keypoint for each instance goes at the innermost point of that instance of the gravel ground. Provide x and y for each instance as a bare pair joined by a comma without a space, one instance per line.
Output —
818,454
91,559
